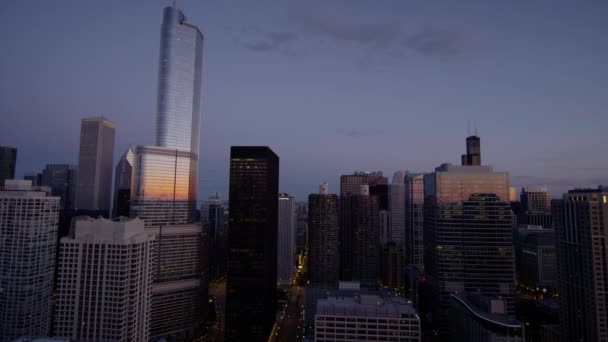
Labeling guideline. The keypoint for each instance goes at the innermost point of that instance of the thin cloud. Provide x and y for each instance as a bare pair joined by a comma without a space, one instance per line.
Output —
273,41
437,42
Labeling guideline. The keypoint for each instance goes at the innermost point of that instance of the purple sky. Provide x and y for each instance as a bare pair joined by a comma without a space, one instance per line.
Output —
331,86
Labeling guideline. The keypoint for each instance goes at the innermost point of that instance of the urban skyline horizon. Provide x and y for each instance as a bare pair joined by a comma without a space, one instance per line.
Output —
302,170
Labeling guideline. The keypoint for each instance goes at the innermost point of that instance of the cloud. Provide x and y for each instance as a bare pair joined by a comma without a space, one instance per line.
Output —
273,41
437,42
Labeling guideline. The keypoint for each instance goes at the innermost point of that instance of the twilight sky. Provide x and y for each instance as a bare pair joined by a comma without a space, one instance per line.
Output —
331,86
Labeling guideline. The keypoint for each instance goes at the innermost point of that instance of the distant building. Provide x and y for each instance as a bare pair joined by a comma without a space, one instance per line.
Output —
468,231
397,208
323,252
286,239
28,237
536,199
104,282
213,199
476,318
473,155
365,224
350,185
251,286
414,219
392,267
218,236
366,318
535,258
123,183
95,159
582,260
34,177
61,178
180,280
8,161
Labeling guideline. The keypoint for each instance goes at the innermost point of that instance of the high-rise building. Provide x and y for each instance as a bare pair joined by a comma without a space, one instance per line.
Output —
104,282
123,179
180,280
366,318
8,161
473,156
392,267
95,159
397,208
582,264
350,185
477,318
468,236
28,236
217,240
252,243
213,199
61,178
286,239
34,177
323,230
536,199
536,262
365,223
414,219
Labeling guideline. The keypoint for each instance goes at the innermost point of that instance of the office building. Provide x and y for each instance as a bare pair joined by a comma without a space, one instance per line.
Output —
323,230
286,239
104,282
8,161
61,178
414,219
365,224
123,179
218,237
252,243
392,267
473,155
28,237
95,159
477,318
536,262
213,199
179,280
536,199
34,177
468,236
366,318
350,185
397,208
582,264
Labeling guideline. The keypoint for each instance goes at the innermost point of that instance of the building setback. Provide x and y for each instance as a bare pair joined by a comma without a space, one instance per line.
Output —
582,237
104,282
95,159
252,243
28,236
323,230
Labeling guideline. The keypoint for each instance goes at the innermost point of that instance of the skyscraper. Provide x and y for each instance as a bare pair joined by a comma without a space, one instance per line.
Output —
8,160
582,264
123,179
213,199
414,219
468,236
536,200
473,156
286,240
252,243
365,221
397,208
104,282
61,178
323,230
95,159
28,236
350,185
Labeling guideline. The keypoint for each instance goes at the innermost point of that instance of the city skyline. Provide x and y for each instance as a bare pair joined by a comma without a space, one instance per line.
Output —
276,68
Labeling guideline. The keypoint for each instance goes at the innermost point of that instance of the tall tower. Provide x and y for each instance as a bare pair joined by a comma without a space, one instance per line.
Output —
28,235
581,230
8,160
286,246
414,219
397,208
252,243
323,233
95,159
473,156
61,178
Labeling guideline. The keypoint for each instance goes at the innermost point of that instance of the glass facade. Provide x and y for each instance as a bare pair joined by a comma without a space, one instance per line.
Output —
179,84
164,186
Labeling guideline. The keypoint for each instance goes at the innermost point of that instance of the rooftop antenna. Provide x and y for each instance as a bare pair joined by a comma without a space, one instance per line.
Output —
468,127
476,129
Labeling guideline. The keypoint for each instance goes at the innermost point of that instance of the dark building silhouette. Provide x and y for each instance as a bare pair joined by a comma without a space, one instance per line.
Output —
251,286
365,224
8,160
582,264
473,156
61,178
35,177
323,230
350,185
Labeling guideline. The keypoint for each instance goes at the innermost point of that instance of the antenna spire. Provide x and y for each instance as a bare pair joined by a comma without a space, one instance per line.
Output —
468,127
